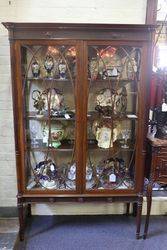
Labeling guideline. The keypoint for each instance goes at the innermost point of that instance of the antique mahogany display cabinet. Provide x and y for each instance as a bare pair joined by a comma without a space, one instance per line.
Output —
79,98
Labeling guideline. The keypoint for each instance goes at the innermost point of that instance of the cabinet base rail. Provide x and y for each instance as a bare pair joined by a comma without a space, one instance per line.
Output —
24,207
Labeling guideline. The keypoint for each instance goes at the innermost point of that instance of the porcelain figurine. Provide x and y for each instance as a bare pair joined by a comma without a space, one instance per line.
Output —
110,72
62,70
90,181
71,176
114,72
39,102
72,172
132,68
106,173
49,65
55,99
35,67
120,102
46,173
109,103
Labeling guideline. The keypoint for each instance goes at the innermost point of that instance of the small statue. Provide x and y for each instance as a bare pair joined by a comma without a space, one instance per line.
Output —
160,118
39,102
90,180
62,70
35,67
132,68
114,72
120,102
49,64
110,72
71,176
109,103
55,99
72,172
46,173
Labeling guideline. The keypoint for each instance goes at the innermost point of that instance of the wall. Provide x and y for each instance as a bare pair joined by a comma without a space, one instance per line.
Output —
88,11
162,10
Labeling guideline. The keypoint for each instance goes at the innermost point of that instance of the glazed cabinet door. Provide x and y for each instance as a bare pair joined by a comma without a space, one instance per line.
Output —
48,92
112,116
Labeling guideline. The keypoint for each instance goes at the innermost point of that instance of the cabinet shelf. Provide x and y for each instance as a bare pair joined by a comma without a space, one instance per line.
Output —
111,80
33,116
63,148
91,146
91,116
95,115
116,147
49,80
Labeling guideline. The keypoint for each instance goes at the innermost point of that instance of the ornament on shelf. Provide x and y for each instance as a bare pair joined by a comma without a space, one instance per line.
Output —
71,176
62,70
90,180
132,68
108,102
55,102
110,72
39,102
105,134
113,173
125,136
35,67
49,65
57,132
47,174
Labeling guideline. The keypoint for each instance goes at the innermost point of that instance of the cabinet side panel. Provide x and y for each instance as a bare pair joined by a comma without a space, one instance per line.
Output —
15,93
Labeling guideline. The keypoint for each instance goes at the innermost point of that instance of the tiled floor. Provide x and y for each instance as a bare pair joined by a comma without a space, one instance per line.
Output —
8,233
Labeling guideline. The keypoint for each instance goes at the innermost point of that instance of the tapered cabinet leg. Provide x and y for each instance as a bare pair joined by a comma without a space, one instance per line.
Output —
29,210
139,213
149,202
127,209
21,219
134,213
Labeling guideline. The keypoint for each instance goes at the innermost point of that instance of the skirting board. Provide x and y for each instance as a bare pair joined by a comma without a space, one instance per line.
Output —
8,212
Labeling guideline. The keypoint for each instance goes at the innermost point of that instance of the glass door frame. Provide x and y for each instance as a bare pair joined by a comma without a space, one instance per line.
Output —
20,123
142,92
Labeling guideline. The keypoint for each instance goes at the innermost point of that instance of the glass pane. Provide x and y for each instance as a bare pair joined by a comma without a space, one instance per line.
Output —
113,75
48,74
